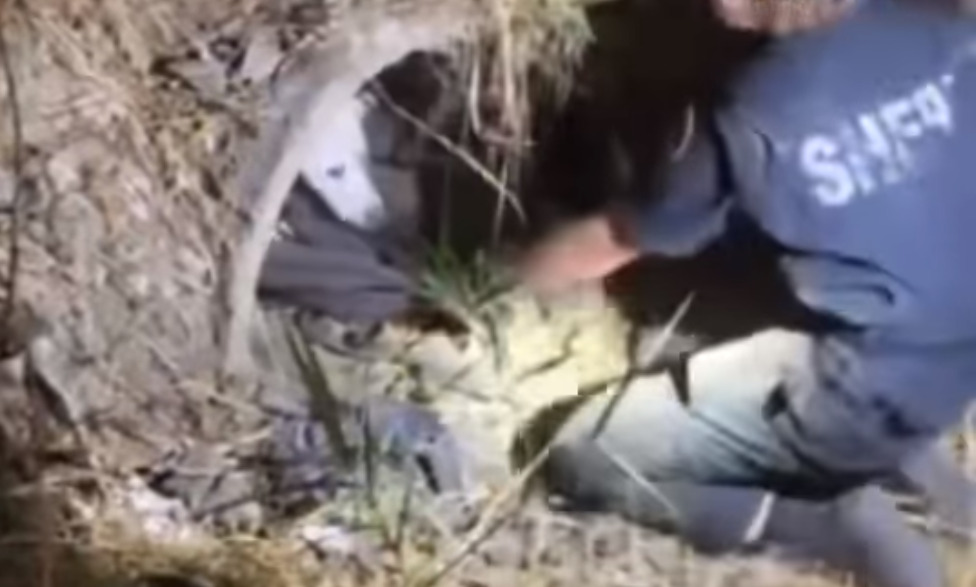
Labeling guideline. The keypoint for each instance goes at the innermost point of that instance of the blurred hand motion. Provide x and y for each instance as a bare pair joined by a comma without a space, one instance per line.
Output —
780,17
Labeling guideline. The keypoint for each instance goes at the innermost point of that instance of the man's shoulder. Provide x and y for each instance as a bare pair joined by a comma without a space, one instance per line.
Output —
877,95
881,52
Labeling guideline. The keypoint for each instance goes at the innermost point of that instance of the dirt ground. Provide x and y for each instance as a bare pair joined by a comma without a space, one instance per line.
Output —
134,137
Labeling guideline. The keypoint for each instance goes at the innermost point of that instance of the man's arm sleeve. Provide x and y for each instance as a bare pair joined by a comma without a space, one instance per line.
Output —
687,208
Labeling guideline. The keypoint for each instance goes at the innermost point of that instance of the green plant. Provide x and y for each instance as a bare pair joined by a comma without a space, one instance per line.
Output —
465,286
468,289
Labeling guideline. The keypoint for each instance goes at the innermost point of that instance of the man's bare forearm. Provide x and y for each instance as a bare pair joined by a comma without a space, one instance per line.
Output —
581,251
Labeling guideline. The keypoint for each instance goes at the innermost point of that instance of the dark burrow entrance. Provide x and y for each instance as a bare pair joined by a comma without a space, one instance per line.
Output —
433,171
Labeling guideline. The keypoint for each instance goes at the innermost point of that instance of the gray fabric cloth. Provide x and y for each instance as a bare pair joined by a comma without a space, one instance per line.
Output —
330,267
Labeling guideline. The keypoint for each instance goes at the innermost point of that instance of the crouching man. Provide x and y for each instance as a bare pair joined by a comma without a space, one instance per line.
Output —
849,144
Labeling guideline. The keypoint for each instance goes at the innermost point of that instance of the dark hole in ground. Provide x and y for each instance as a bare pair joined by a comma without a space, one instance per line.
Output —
625,114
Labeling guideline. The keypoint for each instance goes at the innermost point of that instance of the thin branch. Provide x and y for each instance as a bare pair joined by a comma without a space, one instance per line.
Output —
660,342
467,158
642,482
16,121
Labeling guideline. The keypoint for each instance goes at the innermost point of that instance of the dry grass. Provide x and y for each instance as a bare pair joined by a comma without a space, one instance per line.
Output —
524,547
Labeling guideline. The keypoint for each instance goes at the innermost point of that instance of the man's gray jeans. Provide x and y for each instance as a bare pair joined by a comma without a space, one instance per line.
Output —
721,456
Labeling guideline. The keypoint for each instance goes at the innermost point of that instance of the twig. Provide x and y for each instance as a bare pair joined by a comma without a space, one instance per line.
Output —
642,482
475,540
16,120
324,405
508,195
659,343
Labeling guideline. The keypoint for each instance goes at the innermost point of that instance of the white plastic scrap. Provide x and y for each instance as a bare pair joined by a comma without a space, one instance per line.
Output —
328,539
161,517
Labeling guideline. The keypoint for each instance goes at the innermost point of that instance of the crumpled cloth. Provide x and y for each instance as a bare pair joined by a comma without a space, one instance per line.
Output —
325,265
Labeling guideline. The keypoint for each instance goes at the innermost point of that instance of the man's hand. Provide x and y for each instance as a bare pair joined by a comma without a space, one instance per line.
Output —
584,250
780,17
